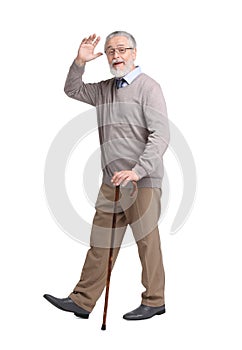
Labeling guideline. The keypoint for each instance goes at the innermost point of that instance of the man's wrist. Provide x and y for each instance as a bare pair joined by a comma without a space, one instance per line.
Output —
135,172
139,171
79,62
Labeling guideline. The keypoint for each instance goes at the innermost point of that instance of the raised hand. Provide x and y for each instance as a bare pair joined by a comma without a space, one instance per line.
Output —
86,50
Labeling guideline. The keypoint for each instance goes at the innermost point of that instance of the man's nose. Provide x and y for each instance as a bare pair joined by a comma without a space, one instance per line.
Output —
116,54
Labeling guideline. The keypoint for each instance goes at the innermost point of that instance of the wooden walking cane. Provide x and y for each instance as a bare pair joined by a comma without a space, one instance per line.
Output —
110,260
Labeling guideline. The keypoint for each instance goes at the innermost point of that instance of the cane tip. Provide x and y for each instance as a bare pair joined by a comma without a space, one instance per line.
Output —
103,327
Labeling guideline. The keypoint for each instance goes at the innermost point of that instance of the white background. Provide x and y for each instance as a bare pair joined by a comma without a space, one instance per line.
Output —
193,49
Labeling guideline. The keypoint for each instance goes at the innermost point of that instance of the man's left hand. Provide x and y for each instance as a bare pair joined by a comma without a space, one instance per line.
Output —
123,177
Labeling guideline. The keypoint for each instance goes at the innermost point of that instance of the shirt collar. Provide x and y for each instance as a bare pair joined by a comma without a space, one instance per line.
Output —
132,75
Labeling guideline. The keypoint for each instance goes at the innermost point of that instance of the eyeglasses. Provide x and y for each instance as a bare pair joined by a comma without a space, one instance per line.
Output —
120,50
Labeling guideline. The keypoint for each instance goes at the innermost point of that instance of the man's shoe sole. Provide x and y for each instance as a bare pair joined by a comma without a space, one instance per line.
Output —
81,315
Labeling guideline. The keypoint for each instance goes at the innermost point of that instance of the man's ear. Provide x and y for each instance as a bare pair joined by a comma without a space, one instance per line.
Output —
134,52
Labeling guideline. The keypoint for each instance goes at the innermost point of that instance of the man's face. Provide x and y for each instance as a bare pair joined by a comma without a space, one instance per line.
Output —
120,63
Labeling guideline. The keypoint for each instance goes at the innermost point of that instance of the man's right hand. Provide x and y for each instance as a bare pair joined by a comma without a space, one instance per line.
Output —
86,50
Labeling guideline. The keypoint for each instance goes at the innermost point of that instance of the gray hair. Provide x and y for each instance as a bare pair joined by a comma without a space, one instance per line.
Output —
132,41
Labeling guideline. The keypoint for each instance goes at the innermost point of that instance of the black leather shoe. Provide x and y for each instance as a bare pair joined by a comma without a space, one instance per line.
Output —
67,304
143,312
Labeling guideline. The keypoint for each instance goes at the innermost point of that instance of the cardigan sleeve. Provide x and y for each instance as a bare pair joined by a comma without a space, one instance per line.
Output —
77,89
155,114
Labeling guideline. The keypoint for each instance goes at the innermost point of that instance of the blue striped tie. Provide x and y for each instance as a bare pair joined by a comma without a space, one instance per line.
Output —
119,83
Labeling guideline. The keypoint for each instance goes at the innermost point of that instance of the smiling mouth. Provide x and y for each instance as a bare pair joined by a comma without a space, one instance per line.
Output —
117,64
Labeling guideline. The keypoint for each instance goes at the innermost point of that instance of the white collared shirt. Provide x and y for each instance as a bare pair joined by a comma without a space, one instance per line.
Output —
131,76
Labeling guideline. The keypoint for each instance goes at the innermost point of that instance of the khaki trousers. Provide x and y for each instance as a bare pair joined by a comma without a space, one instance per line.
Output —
142,213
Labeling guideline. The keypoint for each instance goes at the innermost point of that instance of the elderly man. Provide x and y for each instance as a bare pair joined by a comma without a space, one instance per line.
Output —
133,131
